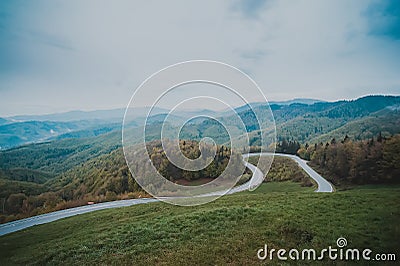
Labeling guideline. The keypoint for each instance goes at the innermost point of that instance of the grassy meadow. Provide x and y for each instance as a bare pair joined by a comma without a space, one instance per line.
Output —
227,231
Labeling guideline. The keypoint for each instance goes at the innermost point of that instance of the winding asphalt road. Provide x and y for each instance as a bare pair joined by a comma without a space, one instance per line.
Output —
257,178
323,184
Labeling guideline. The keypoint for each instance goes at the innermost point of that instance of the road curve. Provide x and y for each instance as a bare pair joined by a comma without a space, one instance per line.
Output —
323,184
17,225
256,179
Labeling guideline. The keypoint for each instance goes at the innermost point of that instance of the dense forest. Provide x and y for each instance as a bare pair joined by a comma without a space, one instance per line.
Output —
191,150
320,122
345,161
100,179
104,178
287,146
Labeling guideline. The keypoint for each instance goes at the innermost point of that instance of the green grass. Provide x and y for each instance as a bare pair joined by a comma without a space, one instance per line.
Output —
283,187
227,231
285,169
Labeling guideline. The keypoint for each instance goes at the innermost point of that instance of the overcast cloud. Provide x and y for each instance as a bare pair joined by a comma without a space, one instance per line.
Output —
64,55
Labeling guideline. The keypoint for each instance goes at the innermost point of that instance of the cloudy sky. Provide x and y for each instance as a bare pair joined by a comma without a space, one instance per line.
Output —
63,55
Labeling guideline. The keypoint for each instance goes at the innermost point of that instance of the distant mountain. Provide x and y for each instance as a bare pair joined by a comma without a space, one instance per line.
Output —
54,157
3,121
273,105
115,115
385,122
90,132
9,140
200,112
297,100
302,119
74,116
306,123
19,133
244,108
319,122
20,130
160,118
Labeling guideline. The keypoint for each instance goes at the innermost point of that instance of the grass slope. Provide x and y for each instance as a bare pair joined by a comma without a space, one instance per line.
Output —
227,231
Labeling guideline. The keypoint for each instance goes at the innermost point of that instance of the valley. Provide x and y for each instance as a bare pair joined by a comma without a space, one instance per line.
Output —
68,172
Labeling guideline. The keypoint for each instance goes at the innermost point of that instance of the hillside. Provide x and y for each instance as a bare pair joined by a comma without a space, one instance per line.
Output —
306,123
109,172
103,178
19,133
76,168
56,157
346,162
41,162
227,231
385,122
318,122
302,120
113,115
324,121
3,121
16,188
24,174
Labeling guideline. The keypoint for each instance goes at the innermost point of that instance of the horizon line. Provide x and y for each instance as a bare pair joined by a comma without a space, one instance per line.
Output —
195,109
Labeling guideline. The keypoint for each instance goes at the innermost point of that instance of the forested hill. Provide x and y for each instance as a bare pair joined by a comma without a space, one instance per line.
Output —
103,178
345,162
359,119
300,121
88,165
319,122
55,157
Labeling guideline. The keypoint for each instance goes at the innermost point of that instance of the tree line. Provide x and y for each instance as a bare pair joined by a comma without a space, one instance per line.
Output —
372,161
106,178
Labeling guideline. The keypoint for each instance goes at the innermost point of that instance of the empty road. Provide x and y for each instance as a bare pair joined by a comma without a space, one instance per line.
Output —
256,179
323,184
